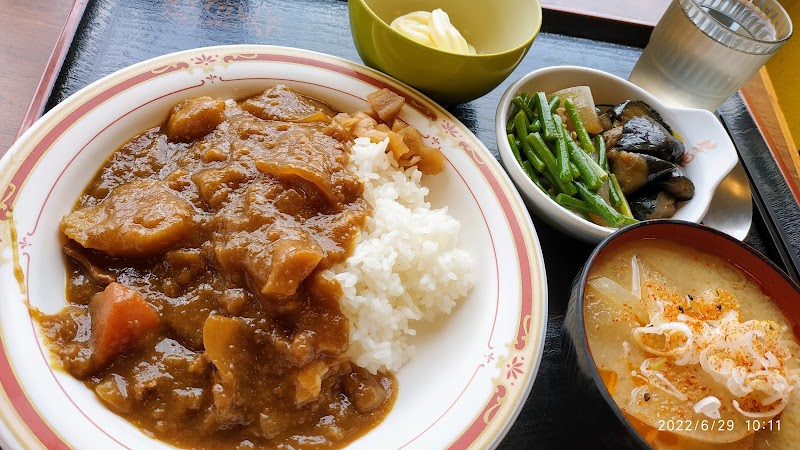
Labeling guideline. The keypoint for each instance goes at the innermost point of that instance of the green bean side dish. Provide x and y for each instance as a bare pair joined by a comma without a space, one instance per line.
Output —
570,167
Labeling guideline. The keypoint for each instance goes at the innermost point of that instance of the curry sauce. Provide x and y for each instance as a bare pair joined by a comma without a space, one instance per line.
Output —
198,306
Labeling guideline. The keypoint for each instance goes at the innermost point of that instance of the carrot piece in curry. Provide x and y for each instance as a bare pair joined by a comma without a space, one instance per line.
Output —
120,318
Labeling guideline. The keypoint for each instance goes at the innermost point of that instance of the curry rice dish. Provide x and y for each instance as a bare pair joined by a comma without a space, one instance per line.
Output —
202,262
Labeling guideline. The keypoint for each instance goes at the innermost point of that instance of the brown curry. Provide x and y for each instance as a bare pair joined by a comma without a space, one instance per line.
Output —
198,308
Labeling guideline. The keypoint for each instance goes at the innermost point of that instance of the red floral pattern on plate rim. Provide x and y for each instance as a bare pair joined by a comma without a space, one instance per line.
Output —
8,380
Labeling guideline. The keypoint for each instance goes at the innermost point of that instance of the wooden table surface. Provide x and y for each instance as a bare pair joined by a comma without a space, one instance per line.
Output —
29,34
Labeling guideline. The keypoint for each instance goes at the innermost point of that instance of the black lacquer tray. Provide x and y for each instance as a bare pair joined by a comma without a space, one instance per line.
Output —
116,33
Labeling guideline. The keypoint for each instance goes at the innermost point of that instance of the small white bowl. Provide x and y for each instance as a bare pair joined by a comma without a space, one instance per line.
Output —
710,154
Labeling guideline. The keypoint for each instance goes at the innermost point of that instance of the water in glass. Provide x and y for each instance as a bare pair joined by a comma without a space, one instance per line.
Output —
702,51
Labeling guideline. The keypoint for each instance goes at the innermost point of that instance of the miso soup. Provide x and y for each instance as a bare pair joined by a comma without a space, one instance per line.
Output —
692,350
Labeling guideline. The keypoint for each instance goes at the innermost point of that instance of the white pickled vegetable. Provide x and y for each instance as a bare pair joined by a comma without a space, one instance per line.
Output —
415,26
433,29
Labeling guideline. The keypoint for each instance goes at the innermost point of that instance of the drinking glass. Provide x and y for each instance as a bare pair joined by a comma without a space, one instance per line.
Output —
703,51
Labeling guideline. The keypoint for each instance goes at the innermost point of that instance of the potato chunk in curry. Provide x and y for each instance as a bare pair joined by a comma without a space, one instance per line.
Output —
140,218
193,119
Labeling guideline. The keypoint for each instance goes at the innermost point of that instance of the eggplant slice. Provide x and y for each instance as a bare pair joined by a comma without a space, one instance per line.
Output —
636,108
645,135
612,136
606,119
678,185
651,203
635,170
643,155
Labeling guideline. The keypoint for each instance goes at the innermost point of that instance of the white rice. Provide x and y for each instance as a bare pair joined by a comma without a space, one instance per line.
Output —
406,266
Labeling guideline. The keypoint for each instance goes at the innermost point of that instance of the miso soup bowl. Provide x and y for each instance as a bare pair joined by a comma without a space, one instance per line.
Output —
501,31
598,406
710,154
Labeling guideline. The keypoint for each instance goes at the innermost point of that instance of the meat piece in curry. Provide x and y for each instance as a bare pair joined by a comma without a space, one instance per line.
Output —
198,308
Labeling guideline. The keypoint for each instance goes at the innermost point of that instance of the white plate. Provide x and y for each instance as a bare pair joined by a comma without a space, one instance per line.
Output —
469,377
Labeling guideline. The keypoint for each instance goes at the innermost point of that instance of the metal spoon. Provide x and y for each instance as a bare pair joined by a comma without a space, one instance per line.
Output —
731,209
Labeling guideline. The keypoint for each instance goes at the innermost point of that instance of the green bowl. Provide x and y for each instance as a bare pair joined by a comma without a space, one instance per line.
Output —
501,31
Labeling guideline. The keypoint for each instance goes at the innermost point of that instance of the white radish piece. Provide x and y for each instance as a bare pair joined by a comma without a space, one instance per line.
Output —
611,292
